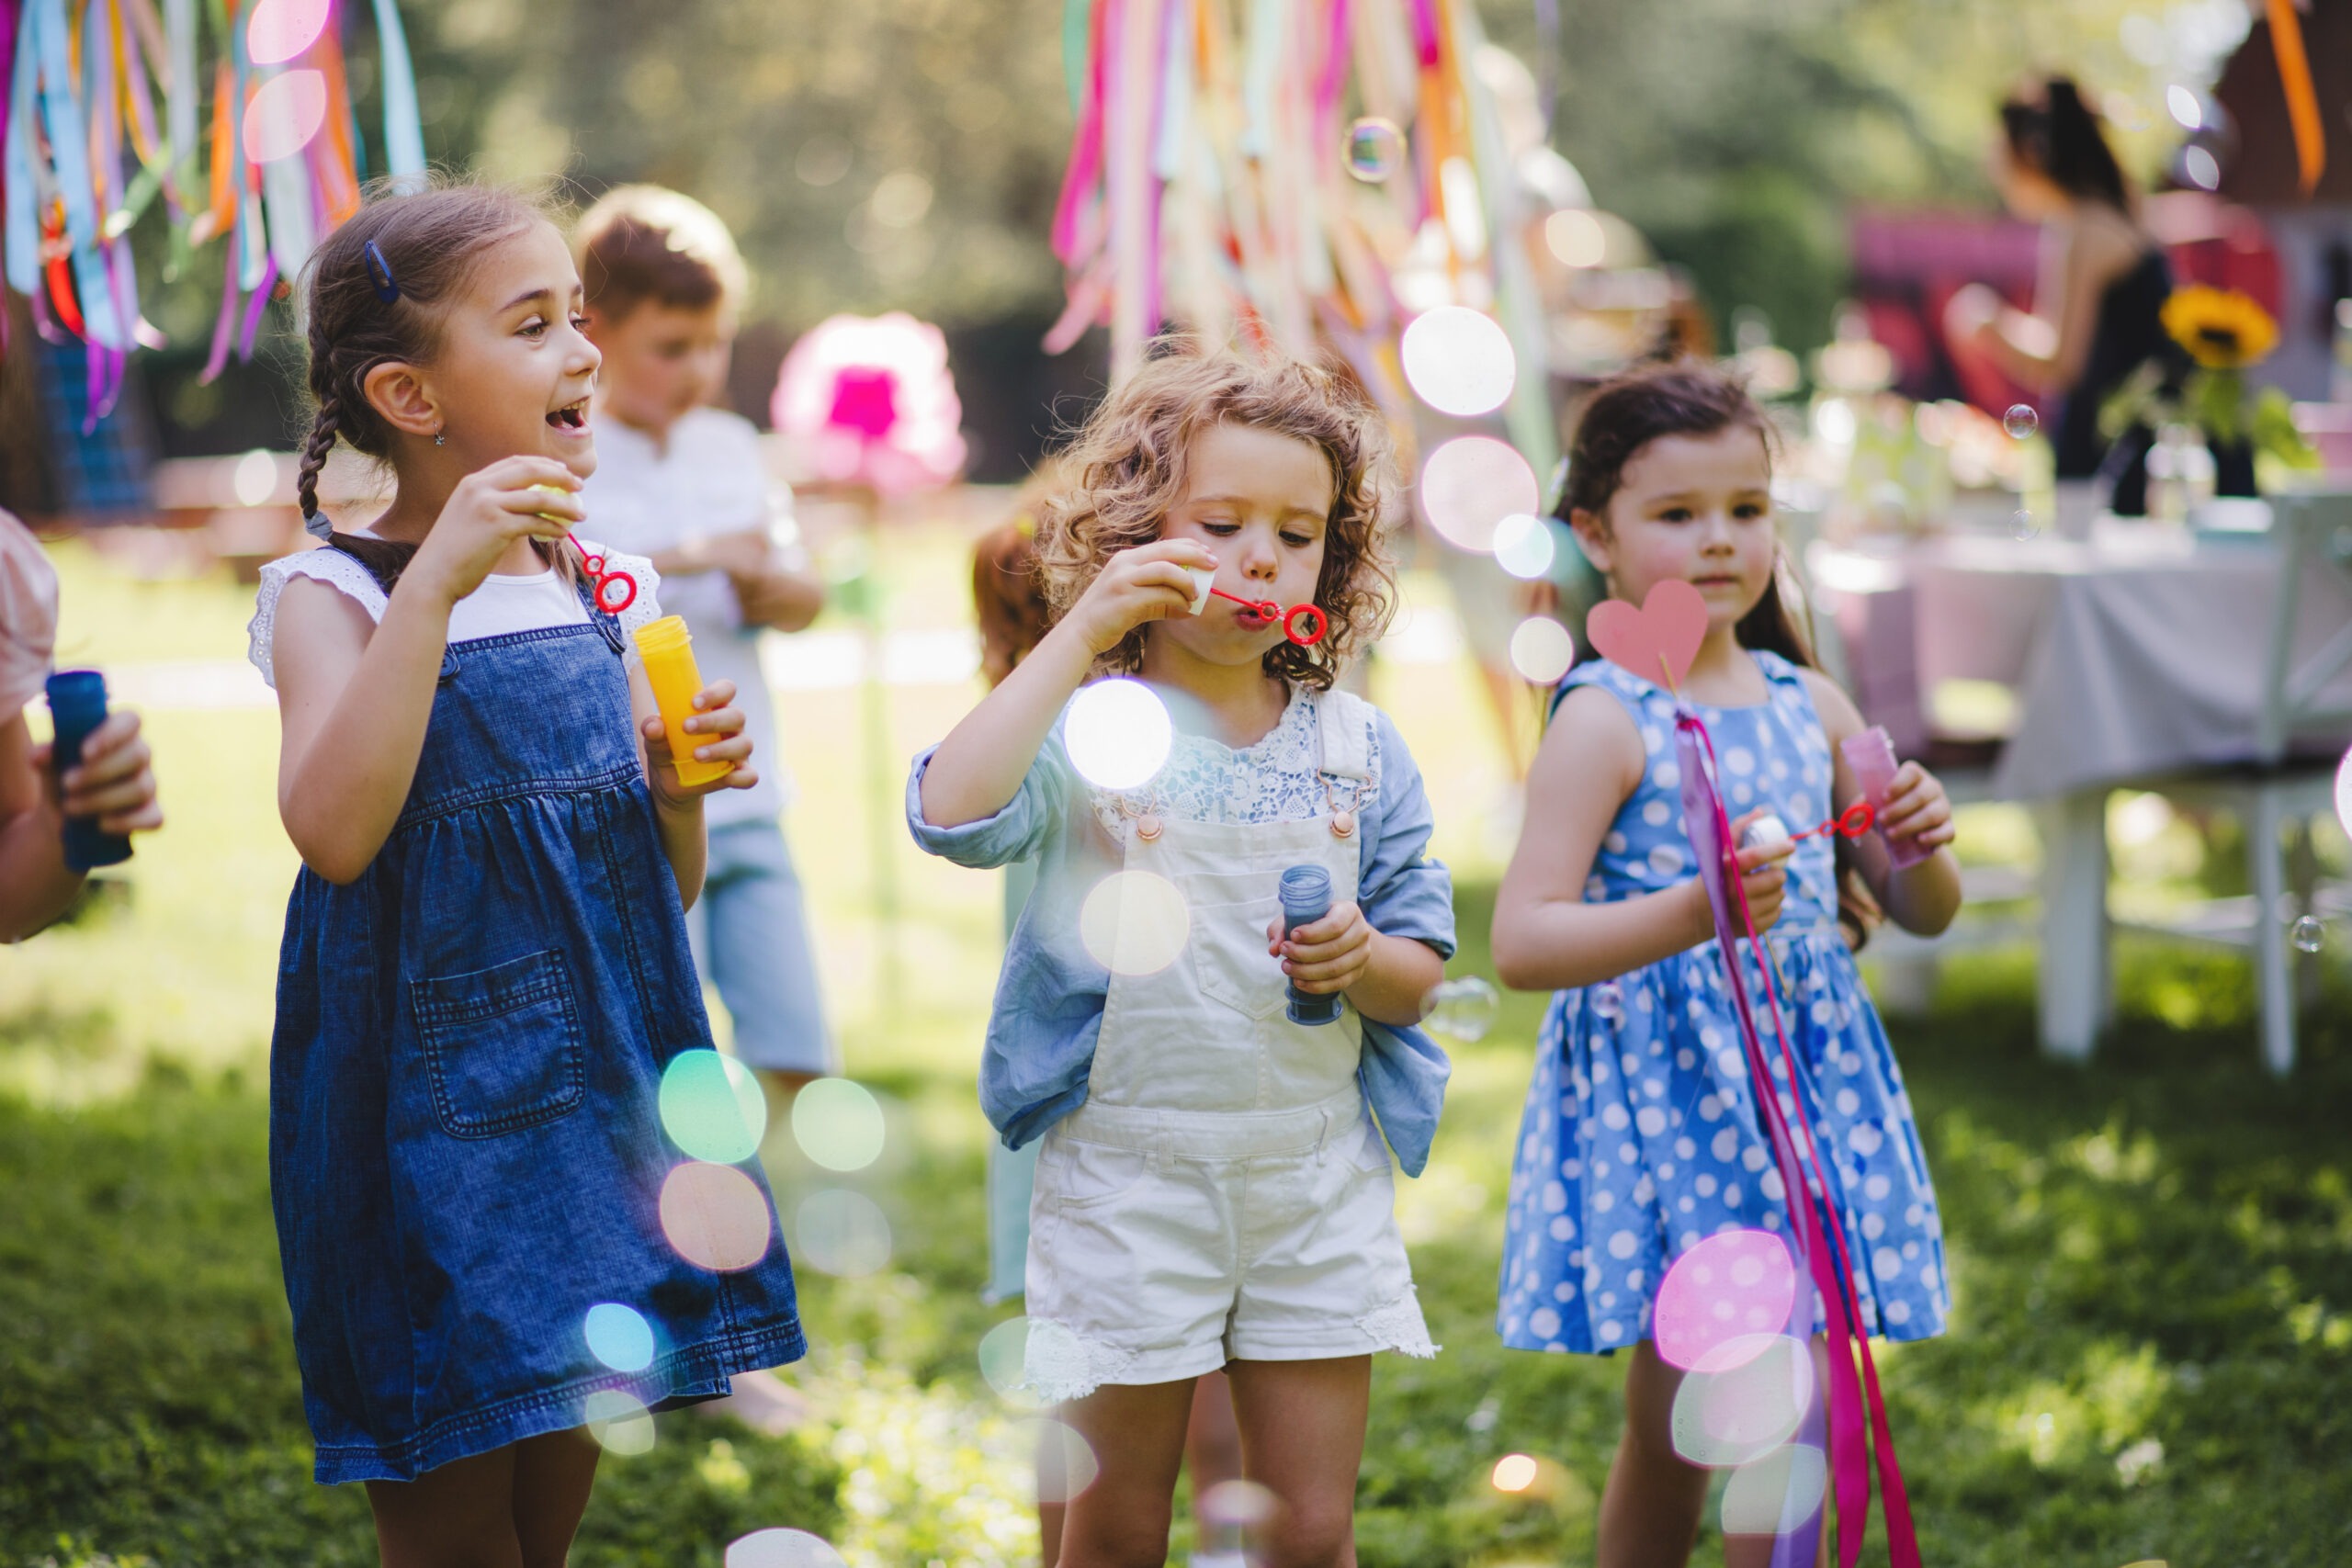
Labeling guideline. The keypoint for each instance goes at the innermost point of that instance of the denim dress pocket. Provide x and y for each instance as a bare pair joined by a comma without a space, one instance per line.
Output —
502,1046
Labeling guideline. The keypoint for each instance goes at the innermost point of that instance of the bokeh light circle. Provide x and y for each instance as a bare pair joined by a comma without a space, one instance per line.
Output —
284,113
1458,360
1515,1473
1006,1351
278,31
1117,734
783,1549
842,1233
1375,149
839,1124
2343,792
1774,1494
619,1422
2022,421
714,1216
1472,483
1524,546
1746,1397
712,1107
1542,650
1133,923
620,1337
1238,1506
1576,237
1735,1285
1063,1463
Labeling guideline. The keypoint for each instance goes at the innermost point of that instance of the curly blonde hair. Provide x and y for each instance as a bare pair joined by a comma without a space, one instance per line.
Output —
1129,465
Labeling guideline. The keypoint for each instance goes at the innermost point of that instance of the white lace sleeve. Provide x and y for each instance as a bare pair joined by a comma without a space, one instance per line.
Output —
645,608
330,566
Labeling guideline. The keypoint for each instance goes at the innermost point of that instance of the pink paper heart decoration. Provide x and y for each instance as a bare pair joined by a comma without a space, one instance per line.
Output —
1660,638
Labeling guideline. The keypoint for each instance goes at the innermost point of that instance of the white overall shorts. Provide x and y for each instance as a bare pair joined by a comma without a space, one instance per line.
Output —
1223,1193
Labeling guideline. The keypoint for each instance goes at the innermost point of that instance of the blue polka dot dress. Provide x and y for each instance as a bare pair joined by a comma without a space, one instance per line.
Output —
1642,1135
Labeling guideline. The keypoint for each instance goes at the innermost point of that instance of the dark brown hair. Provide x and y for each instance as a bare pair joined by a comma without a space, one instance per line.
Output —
2060,138
641,242
1686,398
1132,462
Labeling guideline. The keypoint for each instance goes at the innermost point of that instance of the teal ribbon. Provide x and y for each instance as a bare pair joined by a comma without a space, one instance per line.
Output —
404,131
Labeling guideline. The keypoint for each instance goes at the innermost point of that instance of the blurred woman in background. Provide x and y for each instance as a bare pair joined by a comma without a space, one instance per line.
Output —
2103,282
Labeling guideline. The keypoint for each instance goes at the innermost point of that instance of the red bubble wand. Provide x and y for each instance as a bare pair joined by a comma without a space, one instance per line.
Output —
1302,623
1666,633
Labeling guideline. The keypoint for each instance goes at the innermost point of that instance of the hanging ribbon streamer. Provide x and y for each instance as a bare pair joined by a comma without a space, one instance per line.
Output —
1856,1405
2302,102
269,169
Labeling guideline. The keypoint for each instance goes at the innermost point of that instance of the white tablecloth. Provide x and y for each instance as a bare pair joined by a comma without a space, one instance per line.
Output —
2132,656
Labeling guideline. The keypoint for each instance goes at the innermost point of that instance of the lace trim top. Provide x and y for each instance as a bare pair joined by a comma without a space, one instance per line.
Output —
346,575
1276,778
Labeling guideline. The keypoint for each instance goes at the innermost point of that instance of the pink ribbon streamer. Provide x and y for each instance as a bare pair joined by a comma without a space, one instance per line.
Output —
1803,1175
1085,150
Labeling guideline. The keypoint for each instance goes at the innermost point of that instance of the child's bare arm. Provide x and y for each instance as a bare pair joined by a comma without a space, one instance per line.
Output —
978,768
354,697
1545,936
1921,898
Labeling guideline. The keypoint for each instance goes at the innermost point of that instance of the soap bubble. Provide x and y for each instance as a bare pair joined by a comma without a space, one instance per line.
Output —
715,1215
838,1125
1133,923
620,1422
1463,1009
2022,526
2022,421
1608,1002
783,1549
1063,1463
1375,149
282,116
278,31
712,1107
620,1337
1470,484
2306,934
1005,1352
1735,1285
1515,1473
843,1233
1542,650
1742,1399
1523,546
1458,360
1774,1494
1118,733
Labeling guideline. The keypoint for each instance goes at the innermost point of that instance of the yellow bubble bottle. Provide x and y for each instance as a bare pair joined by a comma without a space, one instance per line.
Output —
667,650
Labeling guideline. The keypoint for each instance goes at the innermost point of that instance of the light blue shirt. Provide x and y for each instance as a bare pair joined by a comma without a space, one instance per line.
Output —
1050,1000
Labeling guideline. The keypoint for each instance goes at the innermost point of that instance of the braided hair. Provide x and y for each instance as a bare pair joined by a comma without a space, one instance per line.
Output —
376,291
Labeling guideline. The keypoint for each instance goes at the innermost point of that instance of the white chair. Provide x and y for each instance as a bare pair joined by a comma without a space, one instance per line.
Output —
2303,722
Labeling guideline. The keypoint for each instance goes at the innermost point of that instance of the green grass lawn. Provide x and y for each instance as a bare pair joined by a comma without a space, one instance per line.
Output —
2152,1258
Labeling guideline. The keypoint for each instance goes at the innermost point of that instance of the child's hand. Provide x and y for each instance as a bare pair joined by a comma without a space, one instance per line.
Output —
1762,875
1324,955
113,783
1918,809
487,513
1146,583
717,733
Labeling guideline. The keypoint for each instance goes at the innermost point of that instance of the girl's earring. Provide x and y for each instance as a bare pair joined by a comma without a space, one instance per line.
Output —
440,439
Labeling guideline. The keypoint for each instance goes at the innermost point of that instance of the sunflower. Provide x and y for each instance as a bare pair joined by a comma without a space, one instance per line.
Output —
2220,328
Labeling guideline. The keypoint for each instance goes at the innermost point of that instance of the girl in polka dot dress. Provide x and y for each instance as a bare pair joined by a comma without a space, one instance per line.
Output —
1641,1135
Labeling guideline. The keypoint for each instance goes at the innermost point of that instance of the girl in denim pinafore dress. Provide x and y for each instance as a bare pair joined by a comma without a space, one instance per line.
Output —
487,1237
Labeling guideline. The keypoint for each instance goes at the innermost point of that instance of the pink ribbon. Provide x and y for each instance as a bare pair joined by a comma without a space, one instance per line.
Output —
1802,1174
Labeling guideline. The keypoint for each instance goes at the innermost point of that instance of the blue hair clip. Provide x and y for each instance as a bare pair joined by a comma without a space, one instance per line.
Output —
380,273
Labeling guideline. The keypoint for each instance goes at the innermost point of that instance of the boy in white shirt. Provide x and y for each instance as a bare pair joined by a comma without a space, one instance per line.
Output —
682,482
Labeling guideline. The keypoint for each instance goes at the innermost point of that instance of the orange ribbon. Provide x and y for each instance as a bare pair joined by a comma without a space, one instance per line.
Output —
2302,102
